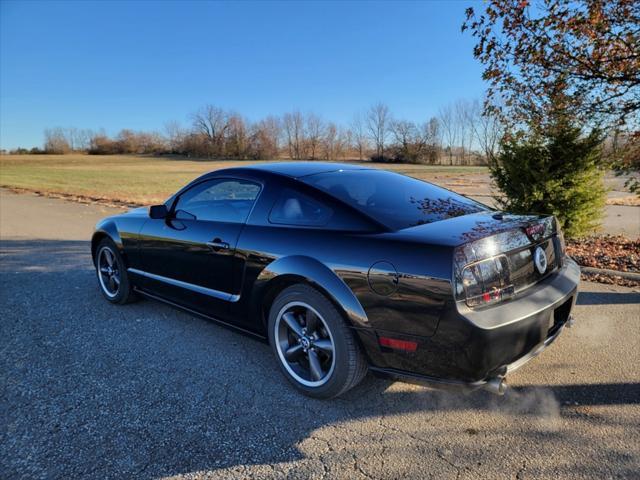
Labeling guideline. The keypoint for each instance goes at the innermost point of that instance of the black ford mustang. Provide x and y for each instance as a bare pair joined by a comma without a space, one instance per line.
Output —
345,269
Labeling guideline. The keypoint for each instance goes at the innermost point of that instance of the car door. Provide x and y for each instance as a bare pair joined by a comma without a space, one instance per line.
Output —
188,257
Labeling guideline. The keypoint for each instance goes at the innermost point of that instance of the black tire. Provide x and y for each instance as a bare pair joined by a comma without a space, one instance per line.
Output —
124,292
348,364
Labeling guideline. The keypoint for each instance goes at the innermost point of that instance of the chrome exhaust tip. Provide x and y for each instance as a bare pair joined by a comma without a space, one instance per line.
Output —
496,385
570,321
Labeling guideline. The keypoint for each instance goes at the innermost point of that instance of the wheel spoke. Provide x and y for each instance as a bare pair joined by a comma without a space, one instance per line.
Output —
105,278
325,345
293,353
108,257
312,320
293,323
314,365
112,285
116,280
104,270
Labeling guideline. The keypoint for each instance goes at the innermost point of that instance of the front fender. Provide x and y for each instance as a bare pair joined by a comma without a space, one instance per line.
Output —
318,275
105,229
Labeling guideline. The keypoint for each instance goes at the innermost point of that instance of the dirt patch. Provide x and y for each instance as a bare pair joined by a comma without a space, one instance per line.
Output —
74,198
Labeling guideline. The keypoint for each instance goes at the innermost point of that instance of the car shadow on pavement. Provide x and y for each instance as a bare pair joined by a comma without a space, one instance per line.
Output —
144,390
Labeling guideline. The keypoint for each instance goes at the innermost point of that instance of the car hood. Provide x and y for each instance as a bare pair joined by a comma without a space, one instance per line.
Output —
137,212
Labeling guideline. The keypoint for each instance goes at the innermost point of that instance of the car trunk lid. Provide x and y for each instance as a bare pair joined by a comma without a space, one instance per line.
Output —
514,239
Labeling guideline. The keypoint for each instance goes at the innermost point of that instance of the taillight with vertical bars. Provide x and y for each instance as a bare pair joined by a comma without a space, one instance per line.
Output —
486,282
492,269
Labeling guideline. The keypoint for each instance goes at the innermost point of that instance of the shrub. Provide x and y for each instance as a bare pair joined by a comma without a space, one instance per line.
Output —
102,145
381,158
553,170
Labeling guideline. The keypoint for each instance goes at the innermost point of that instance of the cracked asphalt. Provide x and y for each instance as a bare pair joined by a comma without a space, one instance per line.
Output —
91,390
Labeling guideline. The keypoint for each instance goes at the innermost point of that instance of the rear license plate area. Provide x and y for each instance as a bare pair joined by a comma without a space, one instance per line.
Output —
560,316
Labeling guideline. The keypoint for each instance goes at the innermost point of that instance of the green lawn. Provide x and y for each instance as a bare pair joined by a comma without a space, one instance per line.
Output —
138,179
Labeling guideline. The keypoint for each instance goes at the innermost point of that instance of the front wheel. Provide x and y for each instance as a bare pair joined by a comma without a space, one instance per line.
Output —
315,348
112,273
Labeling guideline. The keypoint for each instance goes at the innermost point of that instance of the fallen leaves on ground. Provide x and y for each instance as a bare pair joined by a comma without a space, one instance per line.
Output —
612,252
629,200
609,279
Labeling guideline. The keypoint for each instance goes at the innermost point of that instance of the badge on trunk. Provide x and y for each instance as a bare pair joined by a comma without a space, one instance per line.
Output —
540,260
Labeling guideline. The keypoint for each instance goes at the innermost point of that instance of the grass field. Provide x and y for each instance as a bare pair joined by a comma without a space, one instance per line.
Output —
140,180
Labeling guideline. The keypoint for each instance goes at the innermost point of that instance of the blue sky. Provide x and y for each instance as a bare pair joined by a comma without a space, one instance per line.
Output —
137,65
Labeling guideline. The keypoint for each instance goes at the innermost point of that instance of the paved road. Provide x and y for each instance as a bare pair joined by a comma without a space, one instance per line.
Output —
94,390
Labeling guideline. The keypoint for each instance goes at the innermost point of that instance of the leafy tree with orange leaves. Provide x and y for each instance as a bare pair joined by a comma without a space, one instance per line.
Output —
592,45
589,50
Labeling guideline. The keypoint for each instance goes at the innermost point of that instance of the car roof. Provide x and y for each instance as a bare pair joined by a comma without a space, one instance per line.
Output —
301,169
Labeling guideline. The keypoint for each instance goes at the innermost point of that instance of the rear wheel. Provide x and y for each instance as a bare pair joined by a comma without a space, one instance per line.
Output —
314,346
112,273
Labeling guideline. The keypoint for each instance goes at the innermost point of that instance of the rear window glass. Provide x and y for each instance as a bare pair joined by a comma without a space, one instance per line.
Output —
295,208
394,200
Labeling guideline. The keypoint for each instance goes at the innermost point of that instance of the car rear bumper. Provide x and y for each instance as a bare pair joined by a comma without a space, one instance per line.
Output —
449,383
471,348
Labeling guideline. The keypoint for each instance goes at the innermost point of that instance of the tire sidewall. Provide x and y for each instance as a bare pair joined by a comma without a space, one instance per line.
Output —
123,291
334,321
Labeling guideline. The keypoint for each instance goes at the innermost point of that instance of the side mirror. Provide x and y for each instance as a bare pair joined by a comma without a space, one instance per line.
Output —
158,212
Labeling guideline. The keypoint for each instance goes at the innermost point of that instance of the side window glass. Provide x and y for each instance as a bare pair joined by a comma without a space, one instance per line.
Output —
295,208
223,200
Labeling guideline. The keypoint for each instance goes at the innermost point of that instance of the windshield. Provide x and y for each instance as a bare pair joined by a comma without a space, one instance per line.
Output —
394,200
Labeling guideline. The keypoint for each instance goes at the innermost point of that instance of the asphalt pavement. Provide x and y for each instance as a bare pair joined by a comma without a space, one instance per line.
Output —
92,390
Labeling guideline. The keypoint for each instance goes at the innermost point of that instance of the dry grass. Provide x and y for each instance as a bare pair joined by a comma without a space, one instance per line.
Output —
140,180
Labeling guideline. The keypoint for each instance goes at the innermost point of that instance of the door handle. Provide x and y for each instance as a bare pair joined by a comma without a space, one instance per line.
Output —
218,244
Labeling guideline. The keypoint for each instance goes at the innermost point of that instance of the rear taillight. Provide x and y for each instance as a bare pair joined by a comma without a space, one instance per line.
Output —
493,268
486,282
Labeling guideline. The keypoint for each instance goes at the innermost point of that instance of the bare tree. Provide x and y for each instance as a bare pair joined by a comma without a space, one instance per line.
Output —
431,135
236,138
404,132
335,142
83,140
359,135
128,141
55,141
293,125
413,143
487,129
215,132
447,119
101,144
464,117
345,138
212,123
314,128
71,135
377,123
175,136
273,131
265,138
69,139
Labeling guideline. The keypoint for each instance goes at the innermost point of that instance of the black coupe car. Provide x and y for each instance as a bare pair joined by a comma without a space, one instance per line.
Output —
345,269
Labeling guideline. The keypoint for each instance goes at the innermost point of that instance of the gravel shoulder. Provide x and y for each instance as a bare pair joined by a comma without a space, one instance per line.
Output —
95,390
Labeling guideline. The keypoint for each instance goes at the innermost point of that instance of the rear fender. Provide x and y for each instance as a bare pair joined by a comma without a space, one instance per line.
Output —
301,268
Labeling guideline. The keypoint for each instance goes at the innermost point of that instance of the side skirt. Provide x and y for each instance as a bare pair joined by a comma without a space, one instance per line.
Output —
231,326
